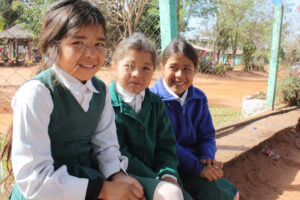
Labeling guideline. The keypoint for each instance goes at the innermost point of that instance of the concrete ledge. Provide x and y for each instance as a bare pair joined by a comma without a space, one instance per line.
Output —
228,127
234,139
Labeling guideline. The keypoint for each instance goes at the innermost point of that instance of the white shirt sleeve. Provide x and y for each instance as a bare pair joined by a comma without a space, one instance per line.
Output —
105,142
31,154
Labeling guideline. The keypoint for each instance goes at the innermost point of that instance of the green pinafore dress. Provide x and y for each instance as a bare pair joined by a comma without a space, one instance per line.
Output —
70,129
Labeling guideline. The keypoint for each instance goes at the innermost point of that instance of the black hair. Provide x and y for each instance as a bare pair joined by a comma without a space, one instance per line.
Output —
64,18
136,41
180,46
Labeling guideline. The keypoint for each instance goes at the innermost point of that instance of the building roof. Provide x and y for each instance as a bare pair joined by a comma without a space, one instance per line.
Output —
209,49
15,32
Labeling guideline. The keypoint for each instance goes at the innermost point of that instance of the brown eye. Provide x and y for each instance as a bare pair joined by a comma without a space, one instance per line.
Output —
77,43
146,68
129,66
173,67
100,45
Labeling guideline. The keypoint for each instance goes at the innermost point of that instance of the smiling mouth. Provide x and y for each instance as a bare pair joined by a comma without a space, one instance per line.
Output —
178,84
134,83
86,66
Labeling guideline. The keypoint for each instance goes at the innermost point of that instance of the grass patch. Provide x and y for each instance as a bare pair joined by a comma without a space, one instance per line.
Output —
222,116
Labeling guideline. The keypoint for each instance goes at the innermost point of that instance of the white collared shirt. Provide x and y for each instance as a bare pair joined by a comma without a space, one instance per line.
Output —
83,93
31,151
182,99
133,100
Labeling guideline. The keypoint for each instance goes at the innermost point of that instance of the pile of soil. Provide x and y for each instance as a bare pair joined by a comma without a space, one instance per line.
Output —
259,175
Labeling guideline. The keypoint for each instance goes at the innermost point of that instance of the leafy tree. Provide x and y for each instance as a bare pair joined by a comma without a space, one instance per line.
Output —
150,23
234,14
124,15
2,21
222,42
188,9
33,12
8,14
136,16
290,44
248,52
239,23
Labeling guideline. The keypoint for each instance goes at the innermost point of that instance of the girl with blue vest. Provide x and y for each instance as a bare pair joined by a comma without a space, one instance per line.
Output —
64,142
144,130
187,107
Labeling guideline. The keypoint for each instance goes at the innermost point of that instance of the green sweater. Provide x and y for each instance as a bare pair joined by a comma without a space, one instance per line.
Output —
147,139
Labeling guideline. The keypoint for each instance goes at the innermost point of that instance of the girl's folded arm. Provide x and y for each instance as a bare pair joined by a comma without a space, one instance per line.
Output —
188,161
32,161
105,142
206,134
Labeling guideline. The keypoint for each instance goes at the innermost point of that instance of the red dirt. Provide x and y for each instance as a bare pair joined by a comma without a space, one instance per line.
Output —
259,177
222,90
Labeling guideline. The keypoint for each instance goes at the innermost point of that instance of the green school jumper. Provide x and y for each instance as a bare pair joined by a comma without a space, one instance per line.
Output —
147,140
70,129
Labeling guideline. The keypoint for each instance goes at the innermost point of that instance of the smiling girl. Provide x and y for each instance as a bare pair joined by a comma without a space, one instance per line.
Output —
144,130
187,107
64,142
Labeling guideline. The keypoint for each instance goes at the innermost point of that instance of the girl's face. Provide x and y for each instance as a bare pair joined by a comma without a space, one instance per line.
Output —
82,54
134,71
178,73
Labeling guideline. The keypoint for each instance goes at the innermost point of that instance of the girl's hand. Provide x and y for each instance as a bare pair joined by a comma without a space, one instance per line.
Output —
209,163
171,180
211,173
122,177
119,191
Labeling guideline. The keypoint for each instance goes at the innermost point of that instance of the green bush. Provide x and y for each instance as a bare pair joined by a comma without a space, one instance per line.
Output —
289,88
228,68
259,95
205,66
219,69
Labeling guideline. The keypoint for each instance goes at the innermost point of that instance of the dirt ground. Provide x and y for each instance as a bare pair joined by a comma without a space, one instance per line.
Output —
222,90
259,176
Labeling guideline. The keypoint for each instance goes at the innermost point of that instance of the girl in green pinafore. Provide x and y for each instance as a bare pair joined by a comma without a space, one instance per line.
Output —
64,144
144,130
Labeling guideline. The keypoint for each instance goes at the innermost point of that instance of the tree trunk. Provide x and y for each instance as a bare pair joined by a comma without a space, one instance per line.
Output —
234,46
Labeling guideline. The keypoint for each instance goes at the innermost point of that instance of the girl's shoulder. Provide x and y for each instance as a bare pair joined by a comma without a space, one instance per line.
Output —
196,93
32,86
32,92
99,84
153,96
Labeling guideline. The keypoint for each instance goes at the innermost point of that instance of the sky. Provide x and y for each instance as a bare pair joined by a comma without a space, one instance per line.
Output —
293,17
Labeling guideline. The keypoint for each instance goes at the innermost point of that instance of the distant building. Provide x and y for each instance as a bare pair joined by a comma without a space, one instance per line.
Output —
207,53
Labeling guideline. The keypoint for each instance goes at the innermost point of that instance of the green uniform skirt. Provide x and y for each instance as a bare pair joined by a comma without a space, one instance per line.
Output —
202,189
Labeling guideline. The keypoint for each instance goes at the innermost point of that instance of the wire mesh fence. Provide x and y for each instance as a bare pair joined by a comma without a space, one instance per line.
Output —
225,85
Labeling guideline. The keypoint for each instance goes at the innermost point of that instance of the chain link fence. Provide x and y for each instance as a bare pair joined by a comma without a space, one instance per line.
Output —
225,86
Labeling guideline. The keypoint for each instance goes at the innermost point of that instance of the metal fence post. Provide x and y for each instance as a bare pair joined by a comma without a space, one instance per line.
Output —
276,37
168,21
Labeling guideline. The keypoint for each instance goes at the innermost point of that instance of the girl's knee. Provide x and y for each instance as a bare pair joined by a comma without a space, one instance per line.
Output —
167,191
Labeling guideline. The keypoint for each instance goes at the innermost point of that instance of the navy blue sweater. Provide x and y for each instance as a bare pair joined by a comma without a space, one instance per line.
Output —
192,125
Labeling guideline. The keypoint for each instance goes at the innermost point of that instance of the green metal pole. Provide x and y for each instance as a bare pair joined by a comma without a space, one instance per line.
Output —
276,37
168,21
